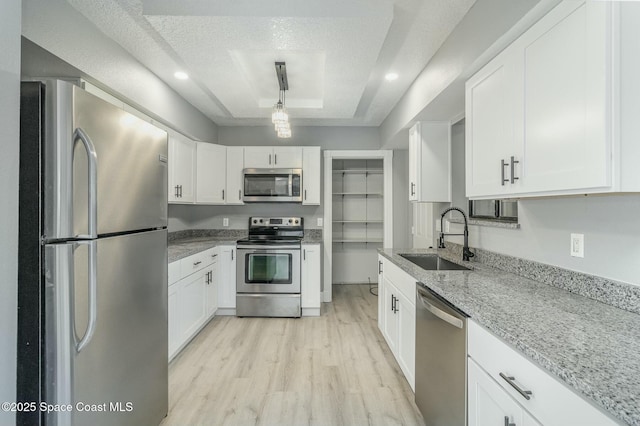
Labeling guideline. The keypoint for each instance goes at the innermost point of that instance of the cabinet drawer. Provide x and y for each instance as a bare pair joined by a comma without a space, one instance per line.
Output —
404,282
174,272
551,402
195,262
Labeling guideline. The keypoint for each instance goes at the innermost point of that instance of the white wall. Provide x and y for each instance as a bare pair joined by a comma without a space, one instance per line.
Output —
10,11
324,136
609,223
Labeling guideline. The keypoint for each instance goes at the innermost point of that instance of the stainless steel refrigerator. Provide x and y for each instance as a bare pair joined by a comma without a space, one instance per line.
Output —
92,295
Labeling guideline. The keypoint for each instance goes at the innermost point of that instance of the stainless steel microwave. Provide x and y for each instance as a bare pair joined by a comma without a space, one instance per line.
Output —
272,185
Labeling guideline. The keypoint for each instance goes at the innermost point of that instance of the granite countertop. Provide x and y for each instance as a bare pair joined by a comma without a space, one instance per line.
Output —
185,244
592,347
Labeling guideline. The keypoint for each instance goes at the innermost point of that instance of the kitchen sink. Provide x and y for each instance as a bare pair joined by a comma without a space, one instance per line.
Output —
433,262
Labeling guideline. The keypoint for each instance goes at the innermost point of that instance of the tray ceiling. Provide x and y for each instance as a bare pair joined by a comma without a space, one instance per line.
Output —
337,52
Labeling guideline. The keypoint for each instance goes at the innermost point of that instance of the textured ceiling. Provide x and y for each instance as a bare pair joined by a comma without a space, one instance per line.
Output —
337,52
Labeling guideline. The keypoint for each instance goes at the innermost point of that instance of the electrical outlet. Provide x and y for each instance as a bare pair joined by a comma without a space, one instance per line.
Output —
577,245
225,221
319,222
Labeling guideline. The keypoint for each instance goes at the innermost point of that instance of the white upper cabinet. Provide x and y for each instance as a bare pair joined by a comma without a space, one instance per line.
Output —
311,175
541,116
182,167
235,164
211,173
430,162
272,157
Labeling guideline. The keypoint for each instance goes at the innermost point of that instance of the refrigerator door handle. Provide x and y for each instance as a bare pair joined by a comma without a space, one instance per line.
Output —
92,159
93,303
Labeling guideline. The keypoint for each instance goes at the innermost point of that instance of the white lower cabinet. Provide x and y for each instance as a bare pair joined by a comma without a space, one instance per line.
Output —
397,315
227,280
489,404
192,296
497,371
310,272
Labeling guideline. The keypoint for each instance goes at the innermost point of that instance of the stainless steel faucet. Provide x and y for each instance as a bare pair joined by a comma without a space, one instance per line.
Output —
466,253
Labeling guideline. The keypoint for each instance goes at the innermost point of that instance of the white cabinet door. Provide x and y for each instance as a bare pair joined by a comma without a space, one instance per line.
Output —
567,142
211,173
182,166
488,403
381,296
406,349
310,276
430,162
493,125
173,320
391,318
235,164
287,157
212,289
227,278
414,142
258,157
311,175
191,304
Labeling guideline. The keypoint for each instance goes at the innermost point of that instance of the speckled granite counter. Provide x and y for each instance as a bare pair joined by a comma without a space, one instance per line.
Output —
592,347
186,243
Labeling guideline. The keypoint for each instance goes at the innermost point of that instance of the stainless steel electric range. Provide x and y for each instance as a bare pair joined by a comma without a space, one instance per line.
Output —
268,268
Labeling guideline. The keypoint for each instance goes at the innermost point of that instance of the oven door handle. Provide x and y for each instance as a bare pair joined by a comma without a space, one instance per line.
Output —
272,249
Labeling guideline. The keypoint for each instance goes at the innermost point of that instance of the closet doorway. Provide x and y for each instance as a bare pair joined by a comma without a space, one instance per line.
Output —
358,212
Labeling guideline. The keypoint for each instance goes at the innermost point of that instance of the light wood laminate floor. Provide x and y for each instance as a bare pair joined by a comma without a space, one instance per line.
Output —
330,370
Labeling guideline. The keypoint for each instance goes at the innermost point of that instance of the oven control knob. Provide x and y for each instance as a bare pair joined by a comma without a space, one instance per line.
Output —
296,221
255,221
290,220
261,221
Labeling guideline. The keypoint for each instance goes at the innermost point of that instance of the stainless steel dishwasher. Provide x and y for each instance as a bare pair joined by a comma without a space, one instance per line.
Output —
441,360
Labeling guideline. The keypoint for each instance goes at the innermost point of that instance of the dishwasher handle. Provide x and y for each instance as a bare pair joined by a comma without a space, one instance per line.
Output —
450,319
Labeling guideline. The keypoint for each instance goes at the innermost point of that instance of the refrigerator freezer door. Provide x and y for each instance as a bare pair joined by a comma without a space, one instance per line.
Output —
101,164
120,368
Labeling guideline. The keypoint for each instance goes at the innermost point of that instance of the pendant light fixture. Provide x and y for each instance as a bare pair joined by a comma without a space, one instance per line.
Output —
279,115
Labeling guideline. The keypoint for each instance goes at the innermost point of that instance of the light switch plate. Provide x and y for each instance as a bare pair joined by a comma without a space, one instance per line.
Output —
577,245
319,221
225,221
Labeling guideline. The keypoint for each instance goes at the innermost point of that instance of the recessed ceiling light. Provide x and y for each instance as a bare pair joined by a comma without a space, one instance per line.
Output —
181,75
391,76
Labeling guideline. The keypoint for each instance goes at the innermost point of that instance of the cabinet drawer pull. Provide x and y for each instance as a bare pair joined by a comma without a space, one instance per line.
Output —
502,166
510,379
513,169
275,158
507,423
197,263
379,266
239,194
413,185
223,194
269,158
305,195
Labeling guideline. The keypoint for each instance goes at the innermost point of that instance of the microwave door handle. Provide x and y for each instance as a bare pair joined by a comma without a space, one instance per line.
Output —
290,184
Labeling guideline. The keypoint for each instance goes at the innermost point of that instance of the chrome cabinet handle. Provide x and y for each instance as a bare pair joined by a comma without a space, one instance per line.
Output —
213,256
413,185
507,423
180,191
392,303
176,192
304,254
275,158
379,267
197,263
239,194
502,166
305,195
269,158
92,187
513,169
223,194
231,254
510,379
